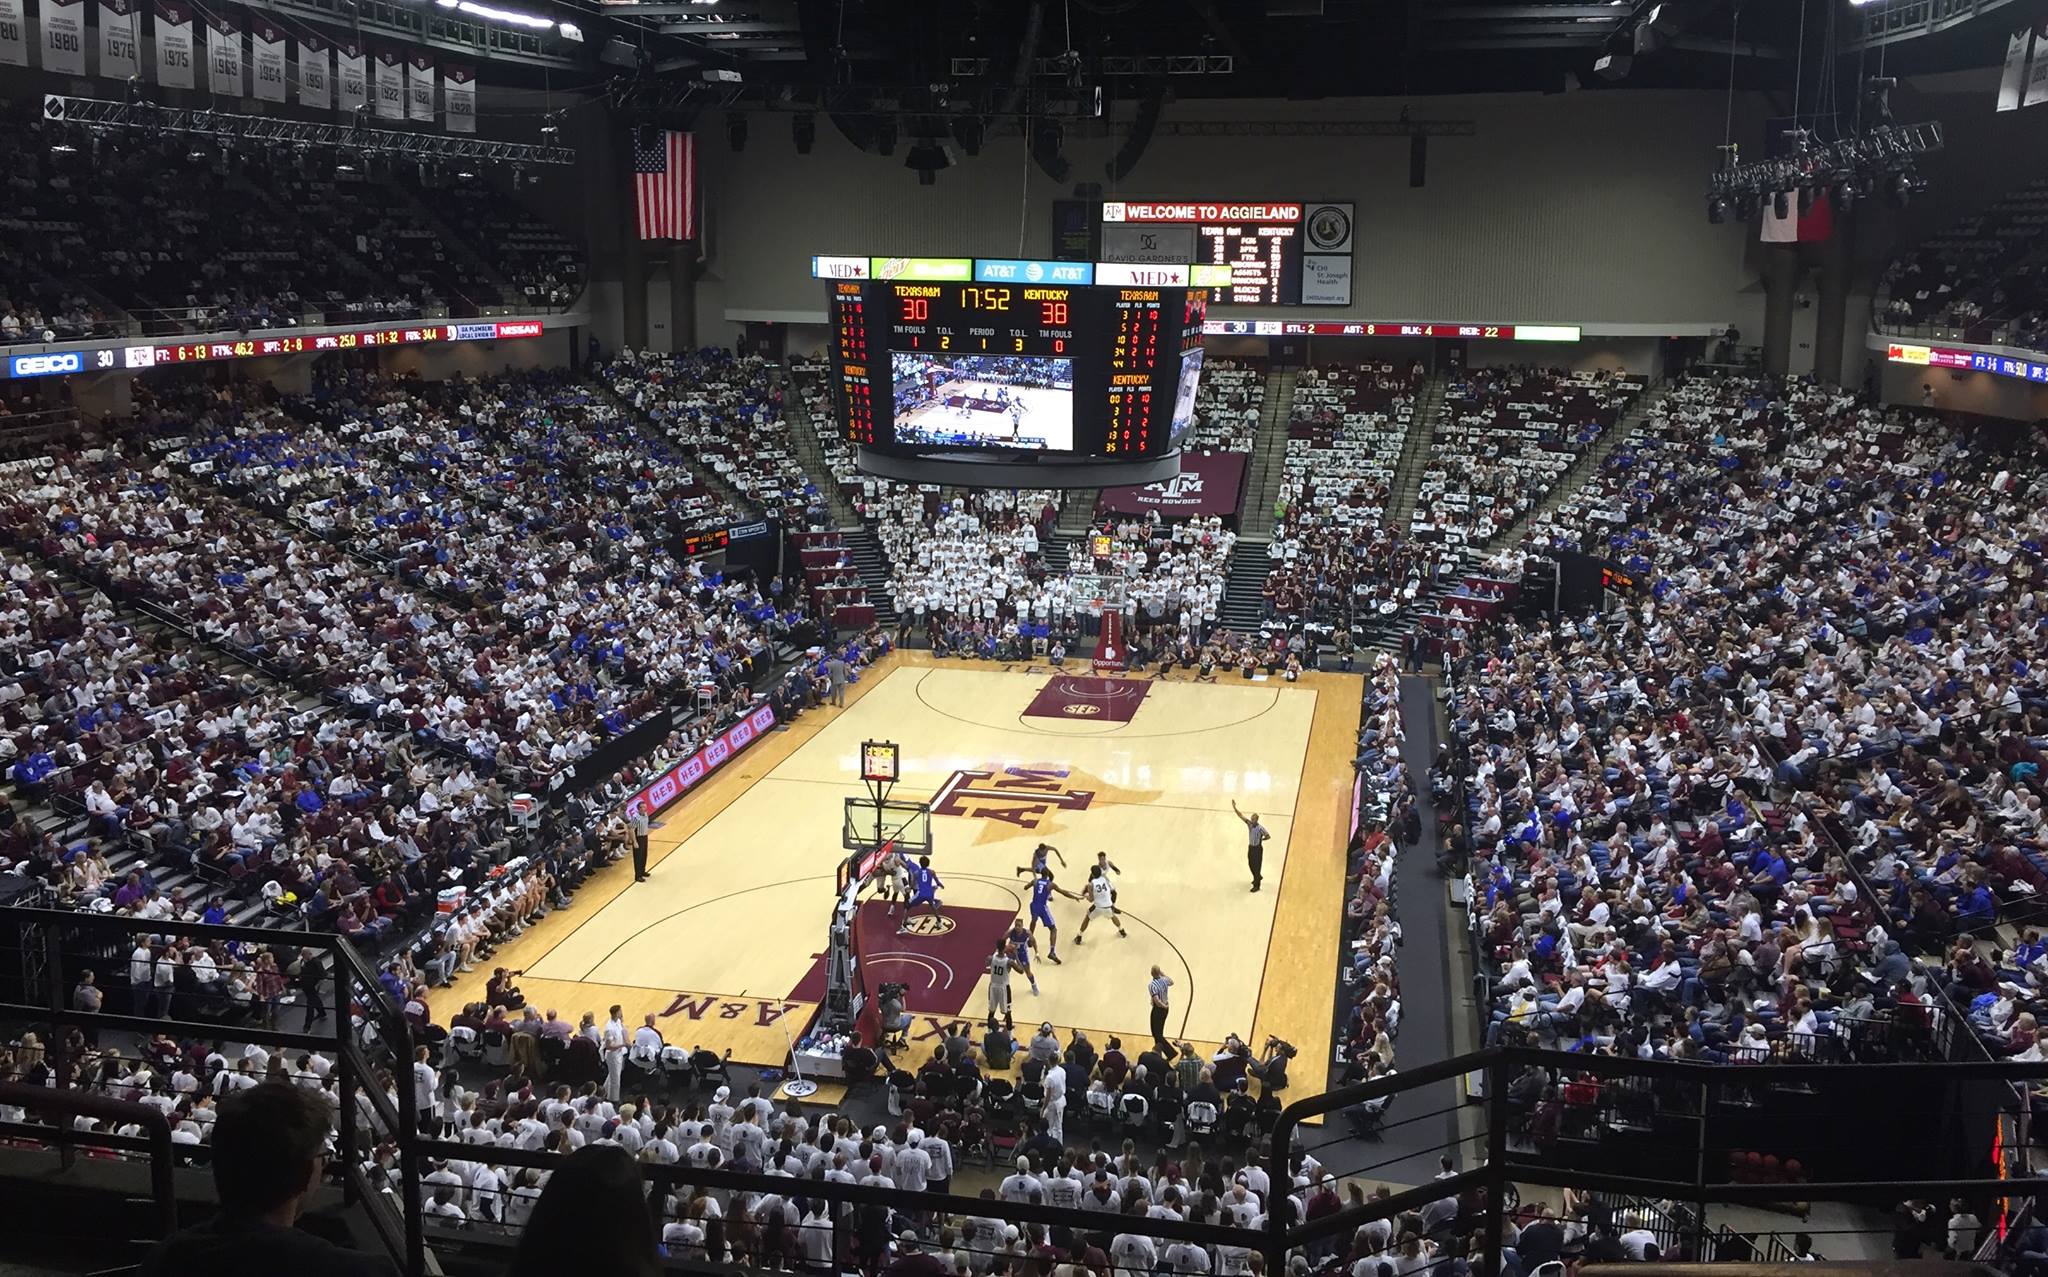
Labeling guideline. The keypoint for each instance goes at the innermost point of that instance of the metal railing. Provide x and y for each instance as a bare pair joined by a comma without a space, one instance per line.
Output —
66,942
1638,1128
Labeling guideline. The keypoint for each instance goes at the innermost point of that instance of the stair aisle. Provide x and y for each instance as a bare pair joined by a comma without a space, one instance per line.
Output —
1244,597
1077,512
1415,452
804,430
874,570
1648,403
1269,453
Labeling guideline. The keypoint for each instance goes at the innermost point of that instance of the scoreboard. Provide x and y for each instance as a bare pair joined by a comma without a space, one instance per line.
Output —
1276,252
1062,372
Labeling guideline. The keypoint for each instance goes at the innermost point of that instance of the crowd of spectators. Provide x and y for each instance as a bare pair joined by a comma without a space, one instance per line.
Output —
1369,969
1227,405
170,232
542,269
1504,439
1976,274
1833,665
723,409
1336,560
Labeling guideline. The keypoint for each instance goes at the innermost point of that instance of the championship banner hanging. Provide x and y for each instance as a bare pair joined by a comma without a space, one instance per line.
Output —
224,57
266,47
2037,69
1207,484
419,88
64,36
2012,78
389,71
349,74
173,44
13,34
120,57
458,98
316,74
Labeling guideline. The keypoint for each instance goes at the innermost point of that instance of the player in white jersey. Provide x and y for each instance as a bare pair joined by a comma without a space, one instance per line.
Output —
1101,900
999,986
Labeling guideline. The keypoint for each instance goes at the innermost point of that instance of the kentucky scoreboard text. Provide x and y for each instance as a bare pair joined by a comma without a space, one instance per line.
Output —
1075,371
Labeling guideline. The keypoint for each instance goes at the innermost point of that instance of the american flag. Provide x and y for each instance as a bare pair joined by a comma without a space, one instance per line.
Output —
665,183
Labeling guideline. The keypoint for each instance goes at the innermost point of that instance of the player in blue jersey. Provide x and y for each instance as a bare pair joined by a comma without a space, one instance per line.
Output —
1019,943
924,890
1043,889
1038,860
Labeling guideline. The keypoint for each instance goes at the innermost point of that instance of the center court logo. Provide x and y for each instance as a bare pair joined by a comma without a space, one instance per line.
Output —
925,924
1020,796
1080,710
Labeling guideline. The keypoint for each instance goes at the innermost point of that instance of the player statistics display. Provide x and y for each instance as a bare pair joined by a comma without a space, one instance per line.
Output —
966,401
1038,374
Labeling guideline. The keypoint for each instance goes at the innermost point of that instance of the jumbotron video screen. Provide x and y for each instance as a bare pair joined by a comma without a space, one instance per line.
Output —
1022,371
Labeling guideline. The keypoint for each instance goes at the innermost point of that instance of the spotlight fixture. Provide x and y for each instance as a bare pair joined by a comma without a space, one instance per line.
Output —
551,124
465,175
1717,209
736,129
969,131
926,158
1850,168
197,154
62,147
803,130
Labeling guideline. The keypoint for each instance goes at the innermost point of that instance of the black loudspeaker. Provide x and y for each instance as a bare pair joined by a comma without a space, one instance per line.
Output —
1133,149
1418,158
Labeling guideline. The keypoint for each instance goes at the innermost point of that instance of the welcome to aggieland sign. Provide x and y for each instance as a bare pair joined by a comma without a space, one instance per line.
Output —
1208,483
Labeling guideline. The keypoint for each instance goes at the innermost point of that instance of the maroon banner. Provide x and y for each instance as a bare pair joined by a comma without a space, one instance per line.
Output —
1208,483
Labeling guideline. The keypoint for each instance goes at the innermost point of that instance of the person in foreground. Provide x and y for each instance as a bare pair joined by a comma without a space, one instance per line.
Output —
592,1217
269,1147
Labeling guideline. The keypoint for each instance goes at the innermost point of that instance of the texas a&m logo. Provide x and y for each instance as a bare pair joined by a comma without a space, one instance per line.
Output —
1020,796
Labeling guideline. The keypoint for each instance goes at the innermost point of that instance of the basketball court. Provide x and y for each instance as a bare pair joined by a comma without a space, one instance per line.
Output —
726,942
964,407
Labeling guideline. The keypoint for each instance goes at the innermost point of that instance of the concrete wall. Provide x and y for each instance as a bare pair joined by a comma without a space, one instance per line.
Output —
1976,392
1630,354
1581,207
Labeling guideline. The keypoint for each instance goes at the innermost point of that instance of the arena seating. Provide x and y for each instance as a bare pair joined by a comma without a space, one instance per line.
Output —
1227,405
1797,750
722,409
104,238
1504,439
1334,559
543,268
1976,277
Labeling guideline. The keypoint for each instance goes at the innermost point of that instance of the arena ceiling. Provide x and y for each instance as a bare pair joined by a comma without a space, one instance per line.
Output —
1301,49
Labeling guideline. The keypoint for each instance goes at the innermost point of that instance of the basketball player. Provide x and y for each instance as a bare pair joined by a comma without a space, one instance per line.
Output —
894,876
1020,943
1016,419
924,891
1102,899
1038,857
1043,889
999,988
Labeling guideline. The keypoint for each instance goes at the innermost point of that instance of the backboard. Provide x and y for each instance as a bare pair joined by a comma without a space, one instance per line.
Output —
1093,594
908,824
